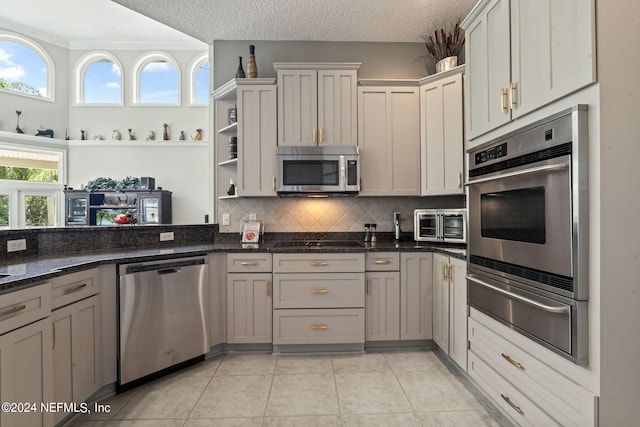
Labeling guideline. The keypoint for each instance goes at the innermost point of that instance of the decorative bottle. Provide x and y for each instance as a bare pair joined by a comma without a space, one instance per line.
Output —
240,73
252,68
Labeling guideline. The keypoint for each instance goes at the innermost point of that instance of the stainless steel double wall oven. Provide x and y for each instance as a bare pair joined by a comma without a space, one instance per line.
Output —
528,231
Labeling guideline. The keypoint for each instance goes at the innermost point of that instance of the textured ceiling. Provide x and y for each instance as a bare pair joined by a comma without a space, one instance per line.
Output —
327,20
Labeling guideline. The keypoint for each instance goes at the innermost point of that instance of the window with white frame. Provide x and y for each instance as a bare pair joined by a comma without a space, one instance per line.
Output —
200,81
25,68
98,80
156,80
30,188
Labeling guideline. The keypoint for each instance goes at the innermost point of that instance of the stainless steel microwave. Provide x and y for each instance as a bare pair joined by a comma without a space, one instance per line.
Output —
440,225
318,171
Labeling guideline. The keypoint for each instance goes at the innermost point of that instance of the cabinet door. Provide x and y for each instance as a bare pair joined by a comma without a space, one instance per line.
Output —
297,106
487,79
552,50
442,136
77,343
389,141
382,306
256,140
249,303
441,302
416,293
26,373
458,312
337,107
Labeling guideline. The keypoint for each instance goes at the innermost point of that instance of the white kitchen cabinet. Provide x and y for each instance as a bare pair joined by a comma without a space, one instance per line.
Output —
77,351
217,299
521,55
450,307
317,103
26,374
382,303
442,135
416,296
249,300
389,138
253,170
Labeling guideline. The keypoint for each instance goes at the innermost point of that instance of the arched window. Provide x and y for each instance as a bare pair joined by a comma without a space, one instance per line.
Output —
98,79
156,80
25,68
200,81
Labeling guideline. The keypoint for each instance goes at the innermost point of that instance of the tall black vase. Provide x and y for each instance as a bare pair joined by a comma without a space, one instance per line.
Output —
240,73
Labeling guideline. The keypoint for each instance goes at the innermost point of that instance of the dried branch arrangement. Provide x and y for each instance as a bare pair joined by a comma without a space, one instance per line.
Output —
443,43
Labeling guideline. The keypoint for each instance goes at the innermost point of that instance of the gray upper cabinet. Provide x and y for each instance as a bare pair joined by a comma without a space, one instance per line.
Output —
317,103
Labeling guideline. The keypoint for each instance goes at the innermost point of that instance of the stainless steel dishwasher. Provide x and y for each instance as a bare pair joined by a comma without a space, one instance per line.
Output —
162,318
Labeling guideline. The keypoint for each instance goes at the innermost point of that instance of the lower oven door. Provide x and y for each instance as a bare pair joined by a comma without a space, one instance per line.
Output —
556,322
523,217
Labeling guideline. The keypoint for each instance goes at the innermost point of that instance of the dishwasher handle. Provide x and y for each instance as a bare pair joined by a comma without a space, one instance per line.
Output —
164,267
168,271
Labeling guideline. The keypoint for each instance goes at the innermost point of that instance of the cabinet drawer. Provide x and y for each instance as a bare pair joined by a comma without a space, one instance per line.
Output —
323,290
251,262
567,402
318,263
382,261
330,326
506,396
25,306
73,287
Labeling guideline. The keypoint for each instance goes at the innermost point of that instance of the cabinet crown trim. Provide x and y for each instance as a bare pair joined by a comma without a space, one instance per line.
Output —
316,65
435,77
388,82
227,90
475,12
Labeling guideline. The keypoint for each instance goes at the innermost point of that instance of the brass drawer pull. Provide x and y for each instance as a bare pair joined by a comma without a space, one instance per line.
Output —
319,264
268,288
503,95
74,288
248,263
382,261
319,327
513,405
513,362
319,291
12,310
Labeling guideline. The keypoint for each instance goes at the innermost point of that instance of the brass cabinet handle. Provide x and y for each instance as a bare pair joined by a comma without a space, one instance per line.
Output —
248,263
449,268
273,182
382,261
319,264
268,288
513,362
320,135
12,310
314,135
74,288
512,88
513,405
319,327
319,291
444,272
503,95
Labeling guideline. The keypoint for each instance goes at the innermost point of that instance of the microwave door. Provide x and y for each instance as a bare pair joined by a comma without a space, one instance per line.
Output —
453,227
429,226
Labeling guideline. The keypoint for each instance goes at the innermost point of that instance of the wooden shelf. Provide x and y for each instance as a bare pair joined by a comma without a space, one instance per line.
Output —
229,129
229,162
235,196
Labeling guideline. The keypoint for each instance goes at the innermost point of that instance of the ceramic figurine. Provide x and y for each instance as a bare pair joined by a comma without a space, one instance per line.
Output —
182,137
252,68
115,135
240,73
132,136
198,136
151,136
98,138
165,135
83,135
18,129
45,132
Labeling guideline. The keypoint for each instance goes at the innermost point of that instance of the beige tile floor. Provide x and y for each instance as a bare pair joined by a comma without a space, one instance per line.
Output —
237,390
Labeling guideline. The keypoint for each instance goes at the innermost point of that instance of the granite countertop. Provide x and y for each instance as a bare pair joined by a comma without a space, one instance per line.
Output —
32,271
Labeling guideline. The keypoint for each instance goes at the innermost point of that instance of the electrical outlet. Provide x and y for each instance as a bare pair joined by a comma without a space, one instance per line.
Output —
16,245
226,219
164,237
252,217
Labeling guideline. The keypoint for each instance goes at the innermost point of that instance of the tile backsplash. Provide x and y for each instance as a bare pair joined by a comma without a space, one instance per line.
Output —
340,214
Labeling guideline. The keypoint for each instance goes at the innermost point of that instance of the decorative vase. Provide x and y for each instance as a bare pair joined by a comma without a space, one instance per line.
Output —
252,68
446,63
240,73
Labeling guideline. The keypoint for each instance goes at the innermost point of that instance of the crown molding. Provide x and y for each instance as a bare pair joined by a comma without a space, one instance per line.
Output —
31,32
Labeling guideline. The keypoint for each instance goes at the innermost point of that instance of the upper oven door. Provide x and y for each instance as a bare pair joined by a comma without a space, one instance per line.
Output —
523,217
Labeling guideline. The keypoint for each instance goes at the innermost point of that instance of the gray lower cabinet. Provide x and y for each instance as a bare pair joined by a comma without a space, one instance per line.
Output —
249,301
382,299
416,295
318,298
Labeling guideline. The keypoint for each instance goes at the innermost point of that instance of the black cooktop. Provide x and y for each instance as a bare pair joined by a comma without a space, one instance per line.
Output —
319,244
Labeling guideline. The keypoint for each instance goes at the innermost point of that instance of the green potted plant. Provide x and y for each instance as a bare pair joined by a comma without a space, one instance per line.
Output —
445,45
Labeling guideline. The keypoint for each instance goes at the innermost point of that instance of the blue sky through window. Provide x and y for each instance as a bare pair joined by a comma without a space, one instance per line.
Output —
20,63
159,83
102,83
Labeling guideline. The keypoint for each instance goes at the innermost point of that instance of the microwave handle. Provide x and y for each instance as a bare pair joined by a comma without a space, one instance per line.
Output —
440,222
537,169
520,298
343,173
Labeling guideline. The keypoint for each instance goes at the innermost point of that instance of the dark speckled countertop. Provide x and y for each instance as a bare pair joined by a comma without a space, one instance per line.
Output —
33,270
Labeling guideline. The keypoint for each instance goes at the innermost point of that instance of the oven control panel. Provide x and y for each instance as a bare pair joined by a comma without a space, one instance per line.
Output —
492,153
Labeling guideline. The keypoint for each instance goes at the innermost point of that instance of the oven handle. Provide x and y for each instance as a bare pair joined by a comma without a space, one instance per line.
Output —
538,169
559,310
